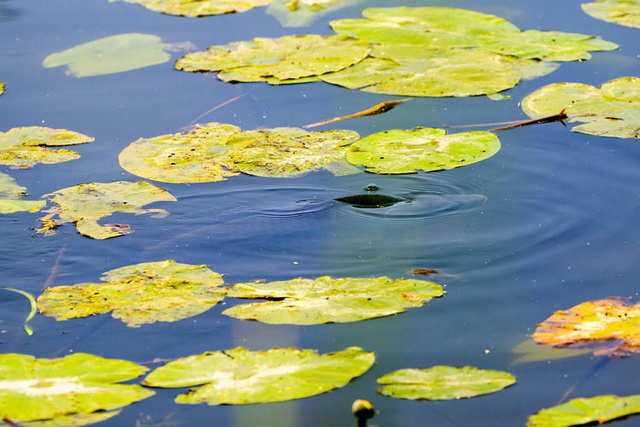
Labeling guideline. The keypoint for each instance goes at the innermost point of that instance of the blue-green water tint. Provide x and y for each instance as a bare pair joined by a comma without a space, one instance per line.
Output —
547,223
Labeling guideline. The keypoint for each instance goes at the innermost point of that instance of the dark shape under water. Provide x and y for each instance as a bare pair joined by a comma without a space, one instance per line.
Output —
370,200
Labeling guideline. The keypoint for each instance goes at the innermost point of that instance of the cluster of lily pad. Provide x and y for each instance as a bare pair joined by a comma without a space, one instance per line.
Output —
467,53
215,151
423,51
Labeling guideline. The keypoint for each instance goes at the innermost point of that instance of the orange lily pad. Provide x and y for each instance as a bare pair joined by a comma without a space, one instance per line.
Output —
610,326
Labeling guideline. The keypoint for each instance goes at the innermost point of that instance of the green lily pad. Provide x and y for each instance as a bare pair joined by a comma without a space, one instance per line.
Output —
181,157
327,300
300,13
114,54
599,410
436,27
286,152
39,389
199,7
545,45
622,12
429,149
443,383
215,151
162,291
288,57
613,110
26,146
85,204
10,193
404,70
241,376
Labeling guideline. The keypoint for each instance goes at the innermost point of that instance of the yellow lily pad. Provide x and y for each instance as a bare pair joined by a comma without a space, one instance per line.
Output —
162,291
85,204
611,326
181,157
10,194
26,146
215,151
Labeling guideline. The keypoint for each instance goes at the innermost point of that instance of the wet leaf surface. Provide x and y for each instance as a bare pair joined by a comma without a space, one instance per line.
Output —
162,291
443,382
612,110
598,410
327,300
24,147
429,149
240,376
11,194
85,204
199,7
611,326
39,389
622,12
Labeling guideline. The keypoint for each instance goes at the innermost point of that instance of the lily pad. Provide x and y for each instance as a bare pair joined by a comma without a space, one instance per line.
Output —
10,194
181,157
613,110
545,45
288,57
26,146
610,325
431,27
397,69
622,12
285,152
429,149
199,7
215,151
75,420
300,13
327,300
114,54
240,376
599,410
443,383
39,389
162,291
85,204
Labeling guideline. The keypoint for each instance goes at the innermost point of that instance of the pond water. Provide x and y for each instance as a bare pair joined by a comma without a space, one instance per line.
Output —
549,222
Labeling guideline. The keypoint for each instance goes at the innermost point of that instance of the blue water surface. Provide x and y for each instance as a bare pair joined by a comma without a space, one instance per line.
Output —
549,222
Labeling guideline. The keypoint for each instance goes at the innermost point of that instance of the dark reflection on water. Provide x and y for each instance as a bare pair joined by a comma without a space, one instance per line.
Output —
548,222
